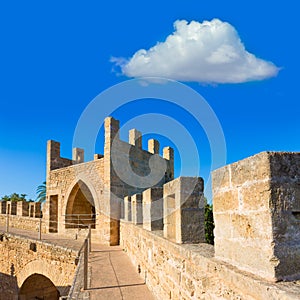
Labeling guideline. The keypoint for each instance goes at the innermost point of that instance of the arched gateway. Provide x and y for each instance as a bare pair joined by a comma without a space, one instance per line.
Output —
80,209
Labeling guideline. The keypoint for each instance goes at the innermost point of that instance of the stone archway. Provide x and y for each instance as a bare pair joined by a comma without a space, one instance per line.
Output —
50,271
38,286
80,209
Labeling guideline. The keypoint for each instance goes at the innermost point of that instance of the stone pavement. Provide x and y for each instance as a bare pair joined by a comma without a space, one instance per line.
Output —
52,238
113,276
111,273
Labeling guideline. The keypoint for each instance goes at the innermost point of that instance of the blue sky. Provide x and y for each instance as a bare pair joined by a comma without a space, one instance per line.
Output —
55,57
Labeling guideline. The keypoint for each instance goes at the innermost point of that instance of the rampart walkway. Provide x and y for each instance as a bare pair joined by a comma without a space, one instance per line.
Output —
111,274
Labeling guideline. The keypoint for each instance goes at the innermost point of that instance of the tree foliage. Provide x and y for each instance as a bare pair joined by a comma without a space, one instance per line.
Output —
209,224
41,192
14,197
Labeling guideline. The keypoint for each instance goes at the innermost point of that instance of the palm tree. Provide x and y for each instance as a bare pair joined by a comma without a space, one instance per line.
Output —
41,192
23,197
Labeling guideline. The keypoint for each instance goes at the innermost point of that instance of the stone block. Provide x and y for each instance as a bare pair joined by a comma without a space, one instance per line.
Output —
114,232
135,138
256,196
54,160
253,168
184,210
221,179
223,231
257,216
77,155
192,225
256,225
127,208
11,207
111,128
153,146
226,201
22,208
168,154
153,209
34,210
258,254
137,209
284,166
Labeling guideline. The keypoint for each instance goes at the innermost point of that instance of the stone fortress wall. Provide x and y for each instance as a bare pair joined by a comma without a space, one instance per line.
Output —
257,235
73,185
22,214
256,213
21,258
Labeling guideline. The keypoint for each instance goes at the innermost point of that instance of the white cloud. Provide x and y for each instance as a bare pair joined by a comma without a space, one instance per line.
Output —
208,52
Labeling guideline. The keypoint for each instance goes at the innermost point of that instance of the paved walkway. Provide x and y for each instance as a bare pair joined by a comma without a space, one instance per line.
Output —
112,275
52,238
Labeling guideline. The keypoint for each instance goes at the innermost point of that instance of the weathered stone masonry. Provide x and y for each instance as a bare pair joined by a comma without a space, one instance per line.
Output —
22,257
257,236
94,188
21,214
256,211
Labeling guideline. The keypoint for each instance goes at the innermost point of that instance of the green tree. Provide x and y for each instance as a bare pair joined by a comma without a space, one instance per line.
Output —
209,224
14,197
41,192
23,196
5,198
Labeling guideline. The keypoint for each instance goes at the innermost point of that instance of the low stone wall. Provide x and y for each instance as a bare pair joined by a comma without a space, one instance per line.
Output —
21,222
190,271
76,288
22,257
76,291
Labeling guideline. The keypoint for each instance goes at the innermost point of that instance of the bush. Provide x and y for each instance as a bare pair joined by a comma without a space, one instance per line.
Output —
209,224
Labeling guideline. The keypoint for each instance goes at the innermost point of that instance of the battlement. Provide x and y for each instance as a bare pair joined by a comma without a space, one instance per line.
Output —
21,208
256,213
54,160
177,208
256,203
135,139
114,175
111,135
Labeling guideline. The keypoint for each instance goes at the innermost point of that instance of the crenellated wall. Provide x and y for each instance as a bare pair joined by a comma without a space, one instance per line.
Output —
256,205
190,271
22,215
21,222
257,234
74,187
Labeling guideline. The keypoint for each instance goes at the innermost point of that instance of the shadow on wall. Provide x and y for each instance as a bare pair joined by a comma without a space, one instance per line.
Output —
36,286
8,287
